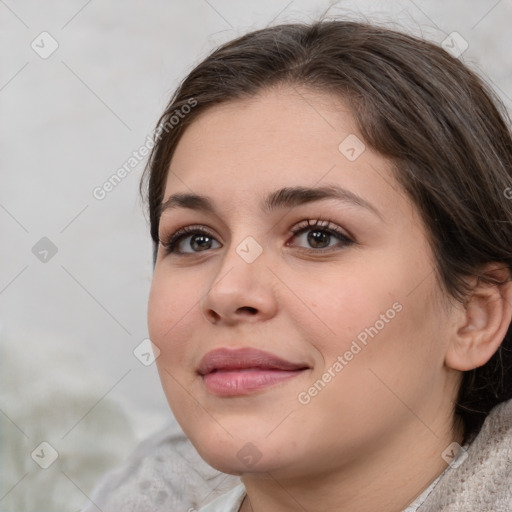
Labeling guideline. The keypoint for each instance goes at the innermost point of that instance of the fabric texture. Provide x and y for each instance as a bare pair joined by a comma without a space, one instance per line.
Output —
229,502
166,474
482,478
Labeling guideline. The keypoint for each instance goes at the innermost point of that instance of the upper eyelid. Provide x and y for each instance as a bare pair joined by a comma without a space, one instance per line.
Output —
326,224
320,224
170,213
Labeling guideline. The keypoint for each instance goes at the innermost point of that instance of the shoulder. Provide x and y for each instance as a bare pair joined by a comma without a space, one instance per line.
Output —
481,478
164,473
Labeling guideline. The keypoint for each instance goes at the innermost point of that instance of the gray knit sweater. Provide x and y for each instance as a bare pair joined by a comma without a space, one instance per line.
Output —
165,474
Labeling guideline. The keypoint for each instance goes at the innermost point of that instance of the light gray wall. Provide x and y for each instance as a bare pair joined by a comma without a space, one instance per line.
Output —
70,120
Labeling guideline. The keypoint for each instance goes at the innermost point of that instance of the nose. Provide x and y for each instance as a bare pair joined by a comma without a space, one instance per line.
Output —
240,291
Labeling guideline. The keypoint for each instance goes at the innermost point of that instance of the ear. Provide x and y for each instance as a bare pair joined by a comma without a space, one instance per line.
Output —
483,321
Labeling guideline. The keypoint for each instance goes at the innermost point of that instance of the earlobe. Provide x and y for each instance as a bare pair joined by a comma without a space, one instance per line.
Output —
483,321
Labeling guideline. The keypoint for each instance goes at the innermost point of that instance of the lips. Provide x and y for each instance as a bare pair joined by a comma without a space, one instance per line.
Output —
244,358
240,372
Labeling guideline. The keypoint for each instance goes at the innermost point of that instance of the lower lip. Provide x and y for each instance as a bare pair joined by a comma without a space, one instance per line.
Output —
243,382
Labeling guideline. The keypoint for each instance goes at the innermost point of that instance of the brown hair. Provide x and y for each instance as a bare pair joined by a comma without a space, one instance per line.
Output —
440,124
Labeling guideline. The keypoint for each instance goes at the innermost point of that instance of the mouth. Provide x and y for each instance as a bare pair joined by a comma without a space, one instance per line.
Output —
235,372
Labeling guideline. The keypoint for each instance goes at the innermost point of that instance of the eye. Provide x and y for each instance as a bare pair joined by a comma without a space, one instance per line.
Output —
190,240
319,234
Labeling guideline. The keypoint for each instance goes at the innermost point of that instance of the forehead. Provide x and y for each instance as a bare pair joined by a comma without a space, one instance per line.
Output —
280,138
280,126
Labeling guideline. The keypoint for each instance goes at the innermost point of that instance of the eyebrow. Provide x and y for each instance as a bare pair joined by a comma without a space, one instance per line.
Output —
287,197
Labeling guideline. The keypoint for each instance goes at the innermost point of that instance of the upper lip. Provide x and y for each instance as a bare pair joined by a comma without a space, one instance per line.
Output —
240,358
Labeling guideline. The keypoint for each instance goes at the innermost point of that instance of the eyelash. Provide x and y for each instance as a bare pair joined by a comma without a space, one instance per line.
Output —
303,226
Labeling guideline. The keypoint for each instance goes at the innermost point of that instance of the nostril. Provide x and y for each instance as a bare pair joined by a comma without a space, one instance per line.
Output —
213,315
249,309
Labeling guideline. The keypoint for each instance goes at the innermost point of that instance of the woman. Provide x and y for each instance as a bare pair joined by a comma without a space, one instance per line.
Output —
331,295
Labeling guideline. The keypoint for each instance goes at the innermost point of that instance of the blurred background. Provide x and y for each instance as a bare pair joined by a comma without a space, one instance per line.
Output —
82,84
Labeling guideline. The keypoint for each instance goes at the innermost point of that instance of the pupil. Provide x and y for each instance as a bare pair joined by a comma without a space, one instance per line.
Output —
200,242
318,238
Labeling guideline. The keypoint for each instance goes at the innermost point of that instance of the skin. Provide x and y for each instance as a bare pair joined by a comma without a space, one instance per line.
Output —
357,444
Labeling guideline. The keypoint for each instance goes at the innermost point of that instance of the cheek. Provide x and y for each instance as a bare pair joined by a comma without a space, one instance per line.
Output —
173,312
172,303
377,306
387,338
344,302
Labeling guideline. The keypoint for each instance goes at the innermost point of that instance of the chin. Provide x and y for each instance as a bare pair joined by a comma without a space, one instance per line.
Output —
236,456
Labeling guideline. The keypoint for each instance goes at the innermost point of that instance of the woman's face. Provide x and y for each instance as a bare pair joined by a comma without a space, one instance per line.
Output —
348,311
